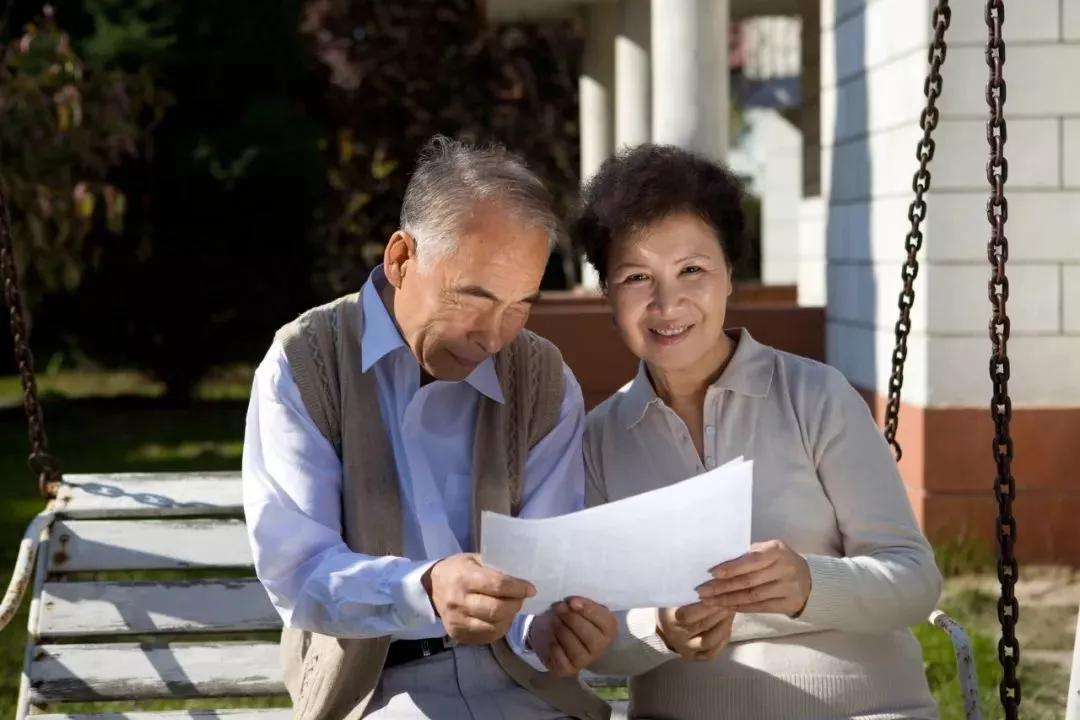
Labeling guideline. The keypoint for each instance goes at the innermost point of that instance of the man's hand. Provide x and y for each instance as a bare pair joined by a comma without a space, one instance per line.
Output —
695,632
771,578
573,634
476,603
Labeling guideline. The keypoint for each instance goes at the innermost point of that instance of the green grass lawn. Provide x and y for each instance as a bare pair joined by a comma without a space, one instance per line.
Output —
116,423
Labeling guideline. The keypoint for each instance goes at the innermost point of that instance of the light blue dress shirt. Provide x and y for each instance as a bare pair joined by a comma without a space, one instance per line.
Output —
292,482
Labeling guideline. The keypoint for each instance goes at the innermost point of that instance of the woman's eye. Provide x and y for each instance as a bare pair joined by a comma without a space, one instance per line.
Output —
692,269
636,277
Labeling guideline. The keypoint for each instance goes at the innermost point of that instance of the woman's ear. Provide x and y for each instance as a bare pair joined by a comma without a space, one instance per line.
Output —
730,279
400,252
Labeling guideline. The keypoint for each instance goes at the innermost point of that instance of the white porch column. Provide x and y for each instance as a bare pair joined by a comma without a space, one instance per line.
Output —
633,108
690,74
596,99
596,86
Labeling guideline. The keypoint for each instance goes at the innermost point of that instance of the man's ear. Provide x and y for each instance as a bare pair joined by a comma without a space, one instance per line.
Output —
398,258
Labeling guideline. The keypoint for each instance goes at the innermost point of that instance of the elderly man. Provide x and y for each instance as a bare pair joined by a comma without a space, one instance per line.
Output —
381,425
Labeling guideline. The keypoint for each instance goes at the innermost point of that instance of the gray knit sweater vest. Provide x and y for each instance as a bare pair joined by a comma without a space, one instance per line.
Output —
333,678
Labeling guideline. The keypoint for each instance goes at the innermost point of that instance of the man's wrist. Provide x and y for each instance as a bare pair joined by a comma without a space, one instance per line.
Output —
426,582
411,598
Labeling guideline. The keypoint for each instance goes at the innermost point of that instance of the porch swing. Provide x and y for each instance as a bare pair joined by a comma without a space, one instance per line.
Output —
193,522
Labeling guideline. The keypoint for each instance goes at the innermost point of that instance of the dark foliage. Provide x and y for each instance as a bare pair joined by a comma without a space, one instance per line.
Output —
277,173
400,72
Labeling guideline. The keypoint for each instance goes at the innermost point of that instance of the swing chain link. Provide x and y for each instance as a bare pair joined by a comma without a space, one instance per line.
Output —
920,183
997,251
43,465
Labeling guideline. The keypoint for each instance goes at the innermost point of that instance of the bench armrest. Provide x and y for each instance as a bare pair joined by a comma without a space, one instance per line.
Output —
24,566
965,663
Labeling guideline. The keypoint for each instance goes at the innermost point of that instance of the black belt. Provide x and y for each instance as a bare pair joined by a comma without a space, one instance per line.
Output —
406,651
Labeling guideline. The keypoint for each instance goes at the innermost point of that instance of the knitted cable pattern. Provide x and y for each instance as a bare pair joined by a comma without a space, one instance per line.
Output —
515,463
311,332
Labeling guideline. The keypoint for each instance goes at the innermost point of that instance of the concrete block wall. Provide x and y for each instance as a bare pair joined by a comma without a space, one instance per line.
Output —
1042,72
851,243
872,56
853,223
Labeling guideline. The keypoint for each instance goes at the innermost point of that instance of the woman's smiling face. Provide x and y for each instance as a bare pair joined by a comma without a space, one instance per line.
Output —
668,285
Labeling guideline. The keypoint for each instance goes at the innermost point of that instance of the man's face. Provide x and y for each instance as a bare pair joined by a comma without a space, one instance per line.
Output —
466,305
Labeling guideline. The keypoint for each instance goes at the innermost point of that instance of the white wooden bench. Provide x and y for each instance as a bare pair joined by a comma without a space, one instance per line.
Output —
105,638
113,639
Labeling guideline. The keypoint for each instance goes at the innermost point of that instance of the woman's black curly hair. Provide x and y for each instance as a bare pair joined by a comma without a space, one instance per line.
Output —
647,183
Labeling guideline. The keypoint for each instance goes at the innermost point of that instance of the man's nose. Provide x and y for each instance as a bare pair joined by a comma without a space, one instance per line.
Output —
487,334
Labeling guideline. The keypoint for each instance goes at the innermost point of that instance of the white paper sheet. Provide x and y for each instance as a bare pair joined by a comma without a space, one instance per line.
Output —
649,550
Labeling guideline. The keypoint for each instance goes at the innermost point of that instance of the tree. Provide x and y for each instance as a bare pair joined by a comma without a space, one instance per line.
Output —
67,124
277,171
220,253
400,72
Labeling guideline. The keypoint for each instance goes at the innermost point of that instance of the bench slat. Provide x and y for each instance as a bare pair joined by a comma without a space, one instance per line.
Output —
100,545
150,494
130,671
86,609
231,714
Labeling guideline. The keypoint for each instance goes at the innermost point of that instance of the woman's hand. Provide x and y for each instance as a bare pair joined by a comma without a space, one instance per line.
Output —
771,578
695,632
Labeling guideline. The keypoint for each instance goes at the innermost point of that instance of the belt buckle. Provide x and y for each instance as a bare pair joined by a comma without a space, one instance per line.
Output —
429,646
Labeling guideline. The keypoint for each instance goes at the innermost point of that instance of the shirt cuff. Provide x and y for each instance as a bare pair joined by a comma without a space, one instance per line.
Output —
412,605
518,634
518,640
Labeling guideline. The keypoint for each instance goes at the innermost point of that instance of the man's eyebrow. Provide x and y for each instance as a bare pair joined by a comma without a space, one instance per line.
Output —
482,292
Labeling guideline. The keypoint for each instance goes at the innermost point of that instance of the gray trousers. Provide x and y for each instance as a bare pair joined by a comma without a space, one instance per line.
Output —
464,683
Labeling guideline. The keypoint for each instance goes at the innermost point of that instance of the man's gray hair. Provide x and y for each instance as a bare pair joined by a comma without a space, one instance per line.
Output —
452,178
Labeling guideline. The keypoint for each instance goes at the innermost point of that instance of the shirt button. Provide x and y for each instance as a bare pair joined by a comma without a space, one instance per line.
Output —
710,463
710,430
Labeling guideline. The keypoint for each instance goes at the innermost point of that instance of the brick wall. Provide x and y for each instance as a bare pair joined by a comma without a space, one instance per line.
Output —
582,328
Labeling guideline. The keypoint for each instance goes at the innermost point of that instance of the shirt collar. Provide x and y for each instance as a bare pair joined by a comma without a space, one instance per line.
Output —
380,337
749,373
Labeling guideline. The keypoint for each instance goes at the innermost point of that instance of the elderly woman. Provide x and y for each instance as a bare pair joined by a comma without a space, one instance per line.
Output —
815,621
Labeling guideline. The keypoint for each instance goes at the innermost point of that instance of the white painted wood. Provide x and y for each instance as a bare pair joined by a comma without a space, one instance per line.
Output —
86,609
97,545
150,494
130,671
231,714
1072,702
22,700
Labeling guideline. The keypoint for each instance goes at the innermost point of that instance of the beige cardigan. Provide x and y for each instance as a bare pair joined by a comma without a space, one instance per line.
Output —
825,482
332,678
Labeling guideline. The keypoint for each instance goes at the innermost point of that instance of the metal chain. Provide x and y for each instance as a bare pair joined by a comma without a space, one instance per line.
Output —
997,251
924,152
44,465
